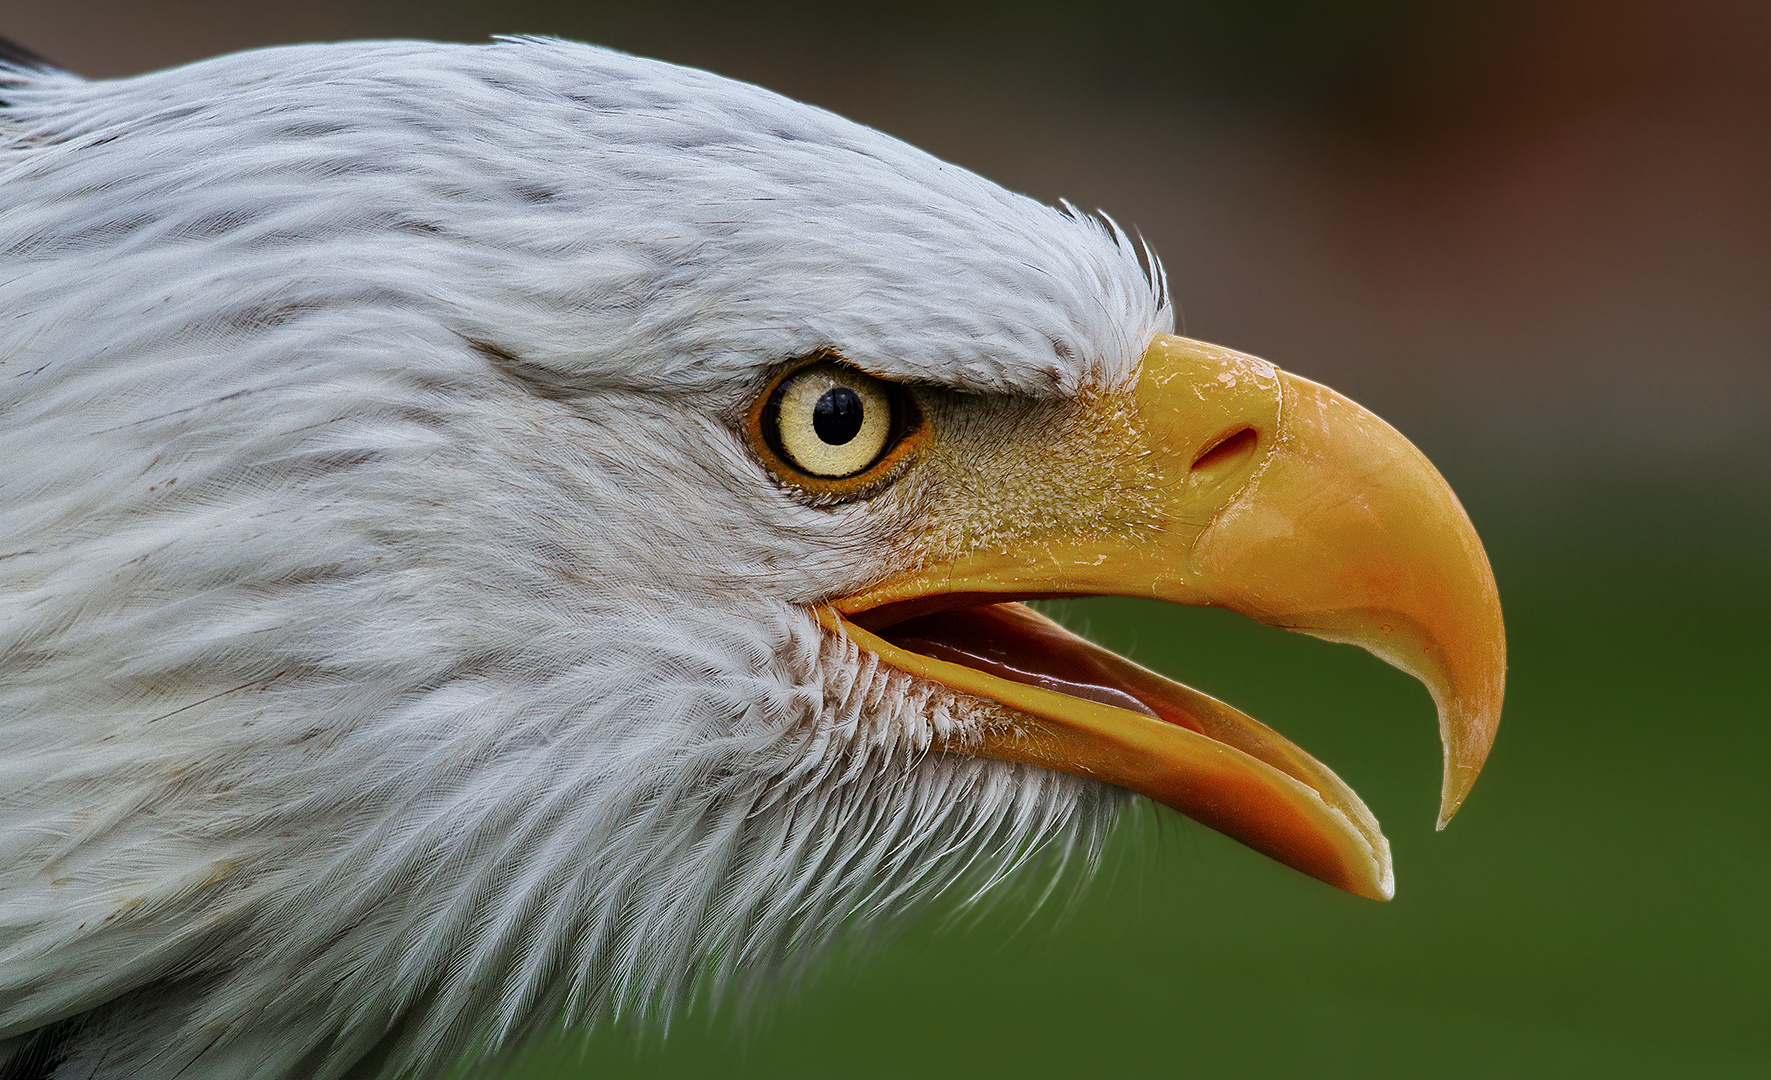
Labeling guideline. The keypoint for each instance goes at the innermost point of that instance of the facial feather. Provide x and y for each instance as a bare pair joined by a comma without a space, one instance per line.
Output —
399,648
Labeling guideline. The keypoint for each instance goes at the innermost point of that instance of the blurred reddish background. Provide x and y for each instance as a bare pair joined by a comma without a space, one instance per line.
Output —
1537,236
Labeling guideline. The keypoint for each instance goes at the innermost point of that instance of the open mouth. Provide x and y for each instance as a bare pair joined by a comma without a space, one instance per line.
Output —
1082,709
1247,488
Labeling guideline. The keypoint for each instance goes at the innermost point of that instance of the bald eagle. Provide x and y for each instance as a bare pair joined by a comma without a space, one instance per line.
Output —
494,533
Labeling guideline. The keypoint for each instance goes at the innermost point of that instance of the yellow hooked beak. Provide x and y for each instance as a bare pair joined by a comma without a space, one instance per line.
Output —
1260,492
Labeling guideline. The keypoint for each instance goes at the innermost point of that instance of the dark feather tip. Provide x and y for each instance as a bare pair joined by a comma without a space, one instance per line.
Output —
12,54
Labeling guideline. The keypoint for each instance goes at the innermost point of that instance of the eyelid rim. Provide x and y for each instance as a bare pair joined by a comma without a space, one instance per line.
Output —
907,433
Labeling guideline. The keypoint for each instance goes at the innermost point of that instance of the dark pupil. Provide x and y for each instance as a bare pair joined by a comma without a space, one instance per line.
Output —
837,416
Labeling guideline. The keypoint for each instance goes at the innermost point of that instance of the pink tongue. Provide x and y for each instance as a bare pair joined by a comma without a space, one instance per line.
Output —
989,639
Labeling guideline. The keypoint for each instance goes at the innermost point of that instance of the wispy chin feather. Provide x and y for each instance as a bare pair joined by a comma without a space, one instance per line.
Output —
514,864
732,858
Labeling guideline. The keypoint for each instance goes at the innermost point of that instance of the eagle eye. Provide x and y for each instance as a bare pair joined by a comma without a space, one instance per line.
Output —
831,428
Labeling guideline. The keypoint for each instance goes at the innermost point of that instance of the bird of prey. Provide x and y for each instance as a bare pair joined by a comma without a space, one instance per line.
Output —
498,533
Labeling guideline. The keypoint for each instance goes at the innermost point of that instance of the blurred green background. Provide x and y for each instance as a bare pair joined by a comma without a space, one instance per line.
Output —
1537,238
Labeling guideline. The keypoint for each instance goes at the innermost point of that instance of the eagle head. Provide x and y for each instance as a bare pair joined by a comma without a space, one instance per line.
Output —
494,533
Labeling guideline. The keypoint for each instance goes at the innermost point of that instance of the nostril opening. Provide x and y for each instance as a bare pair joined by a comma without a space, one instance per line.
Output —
1228,450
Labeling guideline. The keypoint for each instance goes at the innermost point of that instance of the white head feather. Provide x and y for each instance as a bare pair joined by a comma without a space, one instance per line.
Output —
399,646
